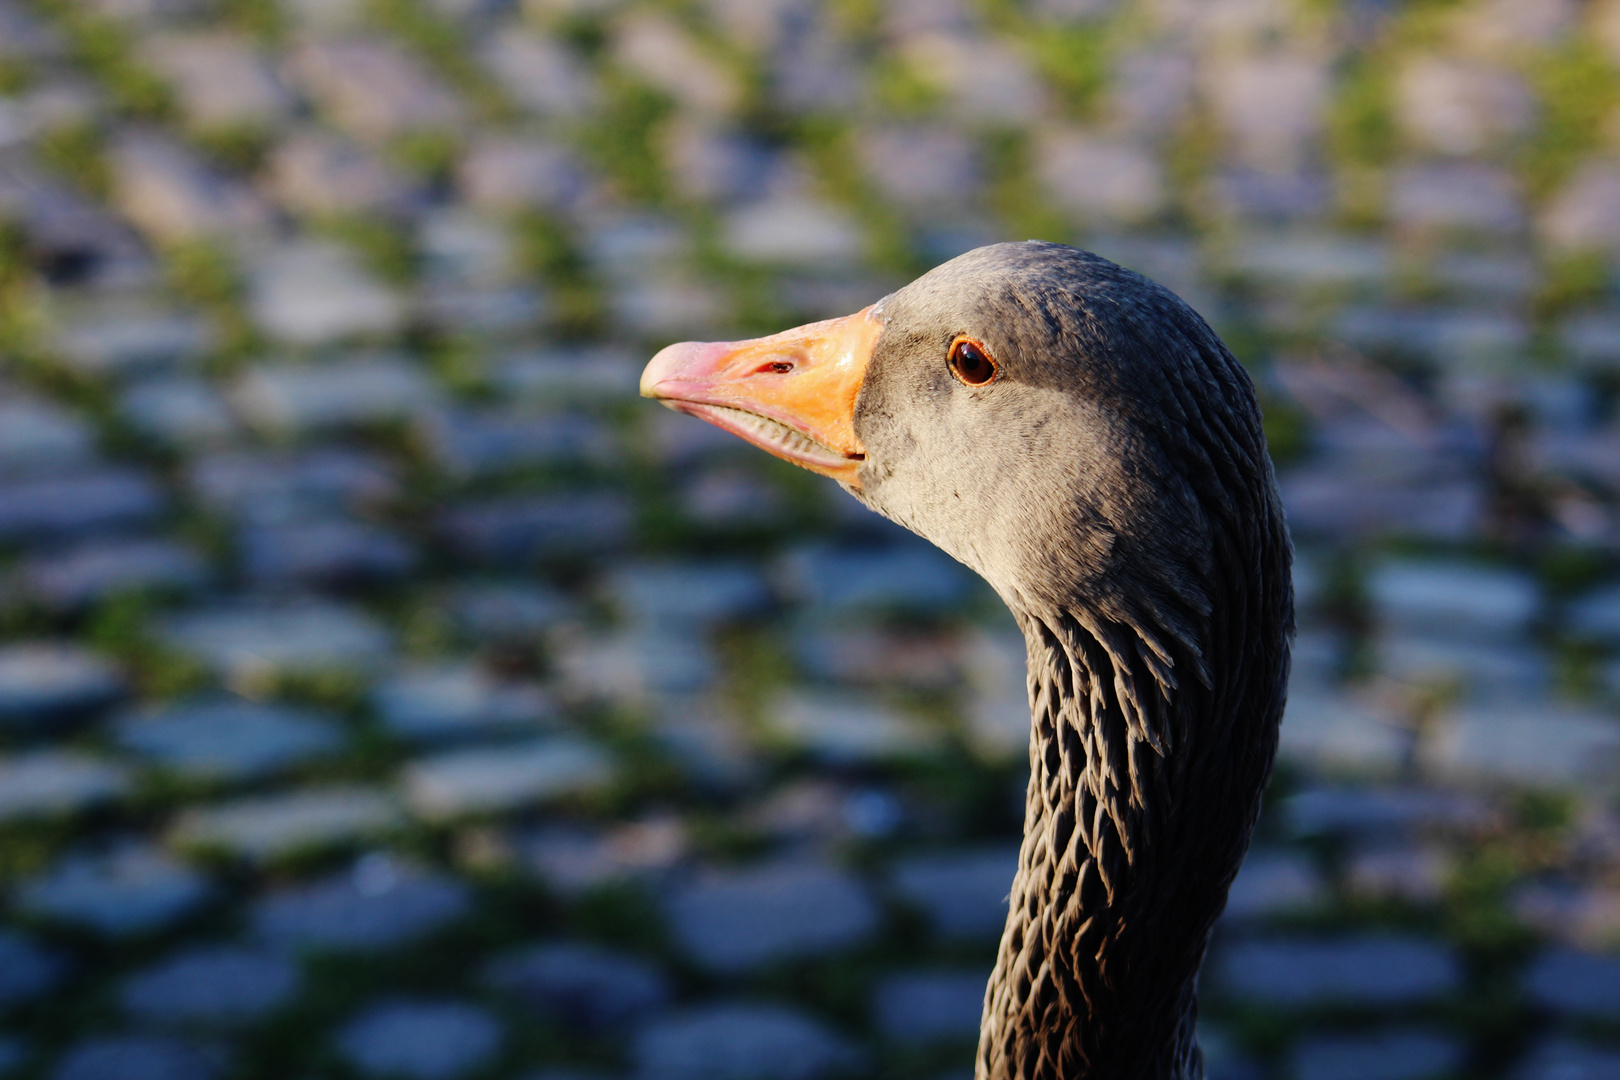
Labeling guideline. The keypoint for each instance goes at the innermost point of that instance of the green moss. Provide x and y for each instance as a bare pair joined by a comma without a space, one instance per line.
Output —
205,275
78,154
1014,194
1361,124
238,148
430,155
102,47
1287,430
1570,281
901,90
385,247
1074,61
263,20
441,43
1579,89
547,250
16,75
622,142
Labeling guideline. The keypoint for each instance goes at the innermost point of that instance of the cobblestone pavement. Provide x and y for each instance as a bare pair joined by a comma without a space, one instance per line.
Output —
385,691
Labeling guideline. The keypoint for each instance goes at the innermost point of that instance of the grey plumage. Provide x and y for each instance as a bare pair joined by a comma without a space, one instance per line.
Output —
1112,485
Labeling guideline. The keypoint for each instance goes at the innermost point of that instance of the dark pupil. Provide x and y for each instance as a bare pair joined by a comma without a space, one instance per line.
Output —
972,365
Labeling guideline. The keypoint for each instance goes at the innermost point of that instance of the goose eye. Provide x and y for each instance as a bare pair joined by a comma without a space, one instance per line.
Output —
971,364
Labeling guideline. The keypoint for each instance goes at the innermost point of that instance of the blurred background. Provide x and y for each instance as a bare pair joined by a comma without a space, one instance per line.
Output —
385,691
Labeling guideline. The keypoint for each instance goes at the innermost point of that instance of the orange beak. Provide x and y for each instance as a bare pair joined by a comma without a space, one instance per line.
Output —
792,394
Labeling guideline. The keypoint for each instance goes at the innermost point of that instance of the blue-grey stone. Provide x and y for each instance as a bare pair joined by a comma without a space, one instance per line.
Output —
252,641
686,595
466,444
585,376
318,397
420,1040
137,1057
13,1052
182,411
500,611
741,1042
1575,982
272,488
27,970
1366,970
129,890
332,553
456,702
635,666
1453,598
1274,882
1597,614
125,342
1385,1055
962,893
78,506
41,436
904,575
1565,1059
376,905
100,569
45,681
266,826
929,1006
584,986
499,778
214,986
48,783
1363,812
518,529
737,919
846,727
228,738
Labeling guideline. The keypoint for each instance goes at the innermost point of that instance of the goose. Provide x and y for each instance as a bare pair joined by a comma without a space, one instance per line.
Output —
1079,437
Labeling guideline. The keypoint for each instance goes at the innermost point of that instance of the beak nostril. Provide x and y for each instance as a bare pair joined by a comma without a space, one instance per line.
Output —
775,367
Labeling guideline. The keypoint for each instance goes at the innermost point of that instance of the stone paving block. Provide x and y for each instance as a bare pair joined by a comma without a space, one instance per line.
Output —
519,529
1388,1055
963,893
1131,183
41,436
1462,196
930,1006
573,859
79,506
273,487
467,444
539,72
458,701
740,1042
376,905
920,167
1597,614
266,826
500,778
635,666
503,173
13,1052
1481,669
27,970
584,986
42,682
220,79
99,570
321,173
138,1057
505,611
51,783
1563,1058
1336,732
1369,970
1417,874
1582,983
846,728
335,553
1454,599
211,986
710,163
421,1040
907,576
114,342
738,919
228,738
575,377
372,88
1364,812
172,195
127,891
792,231
253,641
1533,744
686,595
366,389
1275,882
312,293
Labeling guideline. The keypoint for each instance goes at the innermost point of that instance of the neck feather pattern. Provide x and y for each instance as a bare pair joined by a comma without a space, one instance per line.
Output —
1142,796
